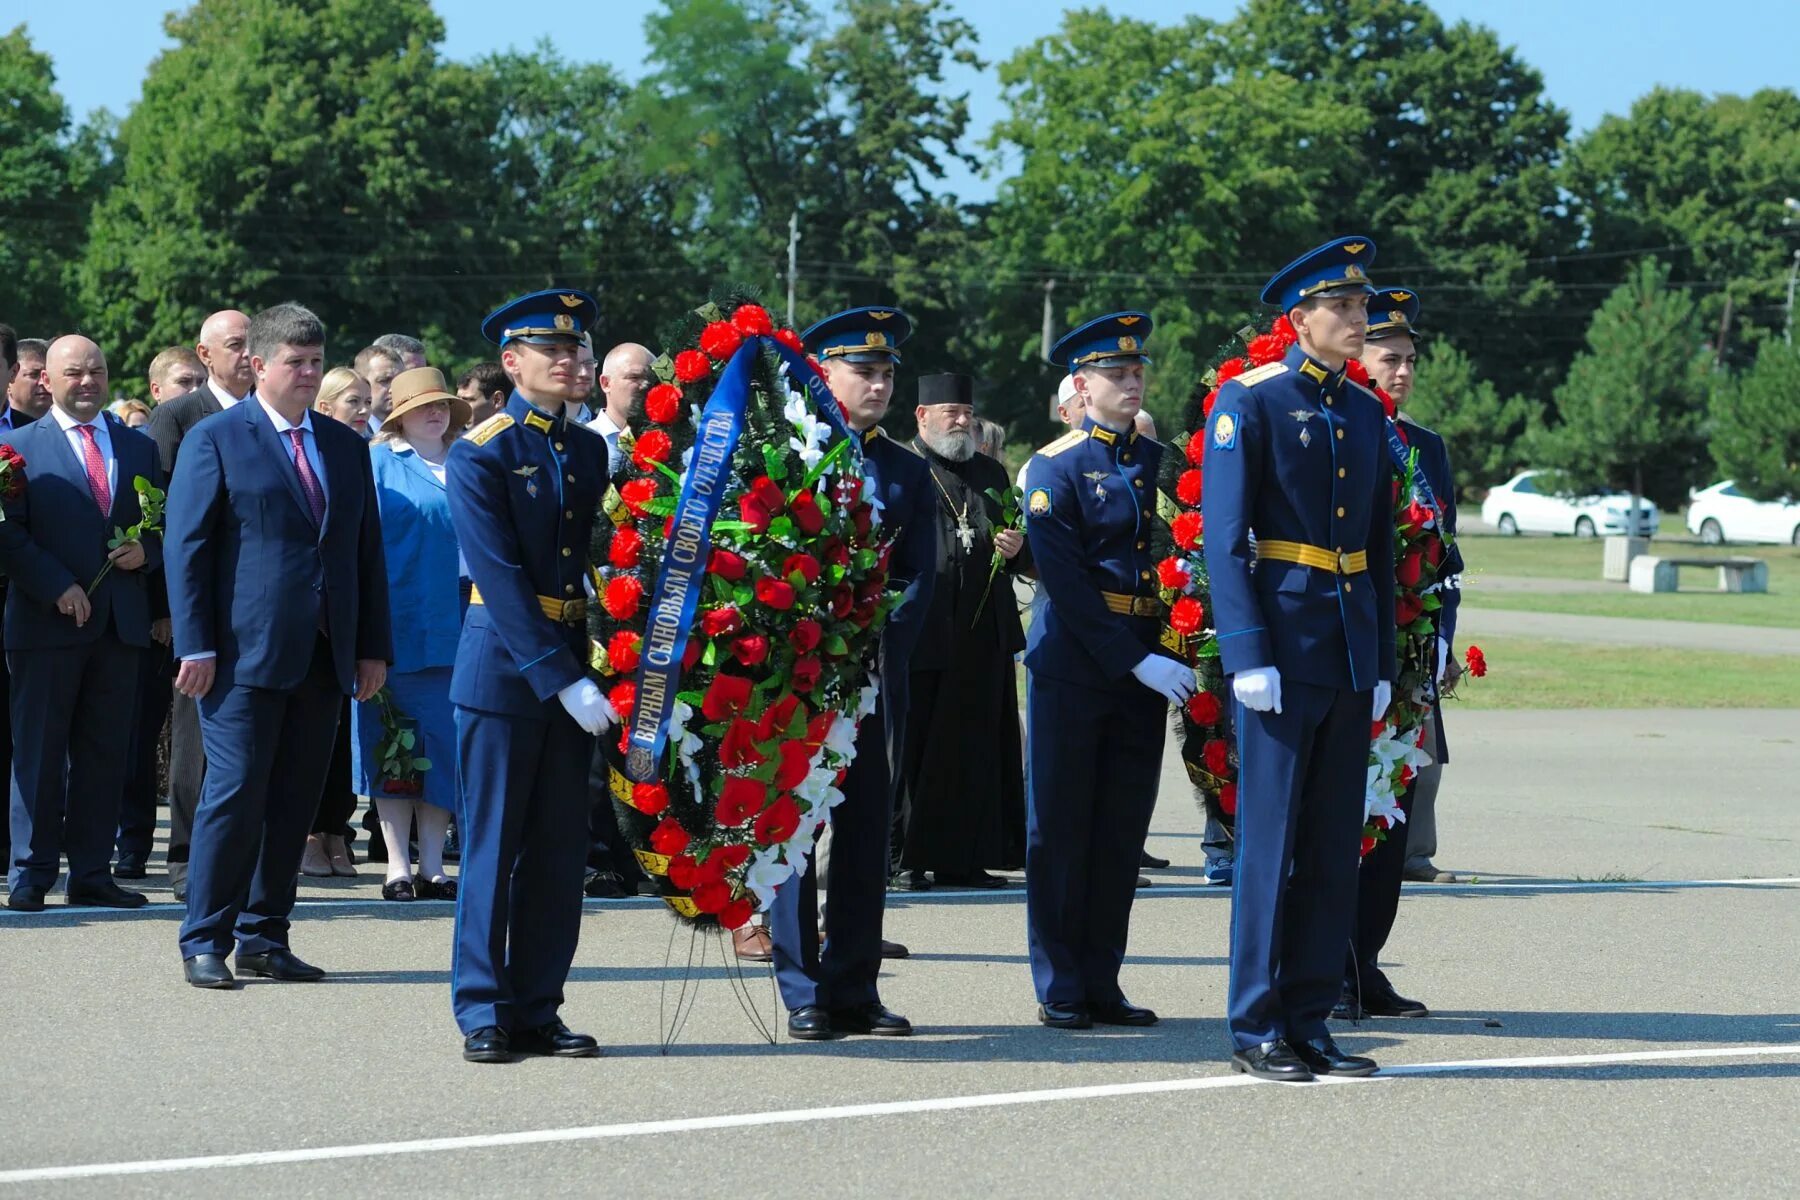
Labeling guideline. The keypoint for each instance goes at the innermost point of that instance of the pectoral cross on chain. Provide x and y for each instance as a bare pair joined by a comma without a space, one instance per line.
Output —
965,533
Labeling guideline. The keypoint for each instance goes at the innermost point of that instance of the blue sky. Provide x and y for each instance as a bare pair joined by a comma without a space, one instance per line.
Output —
1596,55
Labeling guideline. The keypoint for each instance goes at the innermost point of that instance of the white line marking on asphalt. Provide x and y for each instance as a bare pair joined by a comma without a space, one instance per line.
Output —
590,1133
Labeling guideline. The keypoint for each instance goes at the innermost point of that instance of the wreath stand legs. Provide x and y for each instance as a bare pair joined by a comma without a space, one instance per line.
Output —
673,1018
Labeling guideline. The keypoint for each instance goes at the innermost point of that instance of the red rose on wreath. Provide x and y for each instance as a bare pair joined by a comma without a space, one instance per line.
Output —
835,552
1228,799
622,650
805,673
638,493
1416,517
669,837
623,698
796,761
768,493
1216,755
1407,609
690,654
652,446
778,822
1434,551
778,594
691,366
720,340
737,749
721,622
1189,487
623,596
752,513
752,320
727,564
806,513
1203,708
750,649
662,403
741,799
847,490
1406,572
1186,529
862,518
726,696
805,635
1186,616
805,564
627,548
650,799
842,601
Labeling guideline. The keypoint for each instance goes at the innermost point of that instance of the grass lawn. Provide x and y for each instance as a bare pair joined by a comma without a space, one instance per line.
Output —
1580,558
1529,673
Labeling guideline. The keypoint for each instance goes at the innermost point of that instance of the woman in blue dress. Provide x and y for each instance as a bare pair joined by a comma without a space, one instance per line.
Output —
408,458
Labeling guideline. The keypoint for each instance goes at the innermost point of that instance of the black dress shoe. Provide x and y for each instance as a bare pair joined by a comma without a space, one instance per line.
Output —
26,899
284,966
130,867
1121,1013
1144,881
974,879
553,1038
1347,1008
873,1017
1274,1061
399,889
1322,1057
909,881
894,950
208,971
1065,1016
604,885
1147,859
488,1045
105,895
1386,1002
811,1024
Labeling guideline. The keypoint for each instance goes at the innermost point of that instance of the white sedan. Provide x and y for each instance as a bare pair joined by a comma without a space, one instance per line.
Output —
1721,513
1524,505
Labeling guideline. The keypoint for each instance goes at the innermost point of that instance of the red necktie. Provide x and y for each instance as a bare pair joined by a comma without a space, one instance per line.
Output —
96,470
309,483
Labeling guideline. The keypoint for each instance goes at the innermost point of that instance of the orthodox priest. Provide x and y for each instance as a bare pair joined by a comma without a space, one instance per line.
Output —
962,790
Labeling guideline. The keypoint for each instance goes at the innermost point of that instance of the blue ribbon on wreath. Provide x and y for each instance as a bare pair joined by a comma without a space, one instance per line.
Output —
680,582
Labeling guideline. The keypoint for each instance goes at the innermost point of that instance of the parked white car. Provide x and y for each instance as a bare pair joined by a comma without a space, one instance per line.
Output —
1721,513
1523,505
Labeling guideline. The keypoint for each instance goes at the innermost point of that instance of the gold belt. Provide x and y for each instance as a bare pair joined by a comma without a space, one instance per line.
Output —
1353,563
1133,606
569,612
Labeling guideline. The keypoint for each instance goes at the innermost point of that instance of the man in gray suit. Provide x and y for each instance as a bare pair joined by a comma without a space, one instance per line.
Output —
224,349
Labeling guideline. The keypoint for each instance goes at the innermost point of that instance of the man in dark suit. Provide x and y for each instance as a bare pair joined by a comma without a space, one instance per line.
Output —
10,419
71,653
278,593
224,350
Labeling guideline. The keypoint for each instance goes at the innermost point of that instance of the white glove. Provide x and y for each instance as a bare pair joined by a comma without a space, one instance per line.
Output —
1164,675
1384,694
1258,689
1443,645
589,708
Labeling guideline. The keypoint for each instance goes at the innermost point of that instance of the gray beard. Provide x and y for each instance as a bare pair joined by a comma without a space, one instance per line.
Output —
957,446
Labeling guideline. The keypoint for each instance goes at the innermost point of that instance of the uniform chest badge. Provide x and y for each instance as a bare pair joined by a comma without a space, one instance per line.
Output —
531,485
1225,430
1099,478
1039,504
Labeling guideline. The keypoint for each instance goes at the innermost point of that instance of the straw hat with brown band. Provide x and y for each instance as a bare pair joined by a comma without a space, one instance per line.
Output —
421,386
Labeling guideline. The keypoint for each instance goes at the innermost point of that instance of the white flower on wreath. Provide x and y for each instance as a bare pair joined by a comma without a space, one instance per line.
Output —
813,433
1389,756
768,871
866,702
840,739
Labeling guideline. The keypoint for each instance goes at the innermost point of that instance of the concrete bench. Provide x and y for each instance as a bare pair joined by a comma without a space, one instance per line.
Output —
1652,574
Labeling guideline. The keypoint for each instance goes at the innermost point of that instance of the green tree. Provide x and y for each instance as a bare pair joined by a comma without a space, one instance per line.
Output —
1699,180
1485,434
1631,408
312,149
1756,424
43,197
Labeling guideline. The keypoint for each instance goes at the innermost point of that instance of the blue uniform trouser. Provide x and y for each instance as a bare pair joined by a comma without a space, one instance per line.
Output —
266,754
1377,904
70,708
1301,777
1095,760
844,974
522,813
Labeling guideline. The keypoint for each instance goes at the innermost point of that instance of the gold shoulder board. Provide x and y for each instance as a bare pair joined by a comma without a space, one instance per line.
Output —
485,432
1266,371
1072,438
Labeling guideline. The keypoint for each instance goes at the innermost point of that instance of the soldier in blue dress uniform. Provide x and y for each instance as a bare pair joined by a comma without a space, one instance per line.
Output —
523,487
1298,488
833,992
1100,681
1391,353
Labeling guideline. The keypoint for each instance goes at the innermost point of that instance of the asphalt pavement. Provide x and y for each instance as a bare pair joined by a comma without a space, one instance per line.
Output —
1614,988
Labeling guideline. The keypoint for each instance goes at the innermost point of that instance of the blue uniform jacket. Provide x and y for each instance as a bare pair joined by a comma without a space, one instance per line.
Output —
54,537
250,576
907,499
524,489
1296,453
420,543
1089,501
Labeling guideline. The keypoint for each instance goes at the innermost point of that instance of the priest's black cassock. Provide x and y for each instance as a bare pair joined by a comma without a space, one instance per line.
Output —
961,802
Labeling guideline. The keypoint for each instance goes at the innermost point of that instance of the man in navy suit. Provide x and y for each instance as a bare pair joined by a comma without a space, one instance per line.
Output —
833,992
278,594
72,655
10,418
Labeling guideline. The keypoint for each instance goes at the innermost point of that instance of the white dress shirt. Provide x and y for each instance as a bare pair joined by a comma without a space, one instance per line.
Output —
603,425
78,444
307,439
226,399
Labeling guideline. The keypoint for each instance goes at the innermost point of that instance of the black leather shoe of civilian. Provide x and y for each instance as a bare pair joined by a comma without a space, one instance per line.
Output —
1121,1013
1065,1016
26,899
130,867
1322,1057
811,1024
554,1039
1274,1061
105,895
208,971
1147,859
605,885
894,950
1386,1002
1347,1009
283,966
873,1018
488,1045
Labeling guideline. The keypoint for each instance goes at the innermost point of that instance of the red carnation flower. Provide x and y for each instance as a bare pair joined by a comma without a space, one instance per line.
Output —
623,595
720,340
1406,572
804,564
1283,331
806,513
684,872
741,799
805,635
622,650
1216,755
1186,528
1189,487
636,494
669,837
1228,799
778,822
736,913
752,320
623,698
1388,404
1203,708
805,673
726,696
750,649
1196,445
1263,349
1186,616
712,896
778,594
627,548
1355,372
721,622
796,761
651,799
1476,661
727,564
662,403
1206,407
1170,573
1230,369
791,340
691,366
652,446
1407,608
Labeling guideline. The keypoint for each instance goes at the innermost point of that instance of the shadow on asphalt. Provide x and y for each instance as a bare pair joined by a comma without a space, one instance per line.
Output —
1686,1028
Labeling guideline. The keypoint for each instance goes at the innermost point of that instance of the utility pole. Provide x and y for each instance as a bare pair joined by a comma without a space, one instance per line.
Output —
1793,274
1050,325
793,260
